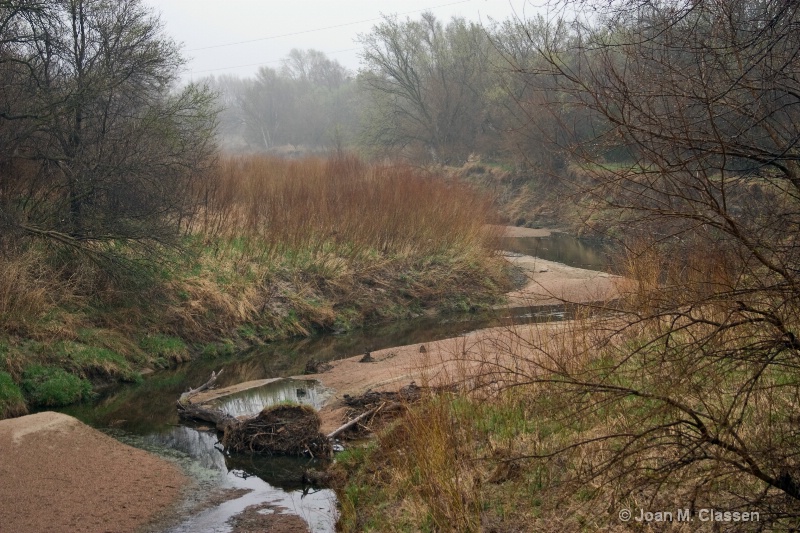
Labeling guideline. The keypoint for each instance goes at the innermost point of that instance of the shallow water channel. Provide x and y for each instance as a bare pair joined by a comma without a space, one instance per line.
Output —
144,414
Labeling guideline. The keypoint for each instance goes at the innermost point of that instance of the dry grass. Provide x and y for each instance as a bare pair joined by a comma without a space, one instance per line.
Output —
313,206
28,290
561,426
296,245
280,248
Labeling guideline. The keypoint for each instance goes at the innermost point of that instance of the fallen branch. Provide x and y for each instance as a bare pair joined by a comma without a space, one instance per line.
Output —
222,421
184,399
356,420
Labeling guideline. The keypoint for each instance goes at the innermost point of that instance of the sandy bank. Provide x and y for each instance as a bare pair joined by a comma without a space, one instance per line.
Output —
487,354
59,474
446,361
553,283
515,231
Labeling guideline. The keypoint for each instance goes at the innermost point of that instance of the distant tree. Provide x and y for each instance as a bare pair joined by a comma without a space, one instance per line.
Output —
427,85
104,149
309,102
314,67
267,105
537,116
228,90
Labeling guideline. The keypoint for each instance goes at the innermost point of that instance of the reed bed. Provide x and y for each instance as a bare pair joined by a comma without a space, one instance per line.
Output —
272,207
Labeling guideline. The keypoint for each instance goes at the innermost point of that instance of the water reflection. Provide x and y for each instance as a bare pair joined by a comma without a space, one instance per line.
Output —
253,400
198,445
312,506
592,254
271,480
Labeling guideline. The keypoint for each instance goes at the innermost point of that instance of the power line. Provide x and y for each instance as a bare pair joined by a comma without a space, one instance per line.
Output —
262,63
317,29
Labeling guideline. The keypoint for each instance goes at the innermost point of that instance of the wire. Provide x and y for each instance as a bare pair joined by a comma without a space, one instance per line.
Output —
263,62
318,29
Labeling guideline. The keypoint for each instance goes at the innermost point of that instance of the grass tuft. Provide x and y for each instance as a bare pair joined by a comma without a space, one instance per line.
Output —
53,387
12,402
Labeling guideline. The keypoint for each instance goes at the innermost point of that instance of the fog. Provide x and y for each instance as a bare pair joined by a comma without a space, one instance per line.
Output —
266,31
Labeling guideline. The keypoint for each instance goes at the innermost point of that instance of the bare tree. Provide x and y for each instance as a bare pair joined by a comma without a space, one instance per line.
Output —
105,149
427,85
703,366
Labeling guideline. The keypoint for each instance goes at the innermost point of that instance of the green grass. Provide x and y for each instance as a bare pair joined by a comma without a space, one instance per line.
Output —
166,347
220,349
12,402
53,387
94,362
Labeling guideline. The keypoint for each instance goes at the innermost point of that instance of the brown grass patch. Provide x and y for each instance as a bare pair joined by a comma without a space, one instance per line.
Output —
314,205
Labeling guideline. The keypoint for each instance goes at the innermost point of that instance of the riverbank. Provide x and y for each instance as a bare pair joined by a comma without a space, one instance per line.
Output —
61,475
548,283
283,249
396,367
443,362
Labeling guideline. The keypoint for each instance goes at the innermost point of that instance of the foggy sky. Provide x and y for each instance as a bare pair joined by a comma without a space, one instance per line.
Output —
331,26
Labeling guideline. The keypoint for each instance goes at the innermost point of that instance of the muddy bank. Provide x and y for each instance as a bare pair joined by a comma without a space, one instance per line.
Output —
61,475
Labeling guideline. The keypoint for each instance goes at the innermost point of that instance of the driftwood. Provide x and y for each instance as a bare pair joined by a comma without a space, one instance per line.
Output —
186,396
381,405
186,409
222,421
356,420
409,393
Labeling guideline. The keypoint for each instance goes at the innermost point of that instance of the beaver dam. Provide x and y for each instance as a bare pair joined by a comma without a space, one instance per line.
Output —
279,429
284,428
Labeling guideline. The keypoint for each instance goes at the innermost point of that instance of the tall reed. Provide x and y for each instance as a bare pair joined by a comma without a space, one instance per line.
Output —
316,205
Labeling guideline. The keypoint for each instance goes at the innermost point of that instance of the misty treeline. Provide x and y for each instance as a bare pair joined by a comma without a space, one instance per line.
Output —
309,103
428,91
97,146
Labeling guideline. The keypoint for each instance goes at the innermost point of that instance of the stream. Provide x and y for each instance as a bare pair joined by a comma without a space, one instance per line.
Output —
144,414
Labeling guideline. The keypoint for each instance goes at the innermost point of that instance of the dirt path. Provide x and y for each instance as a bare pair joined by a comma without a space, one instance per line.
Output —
59,474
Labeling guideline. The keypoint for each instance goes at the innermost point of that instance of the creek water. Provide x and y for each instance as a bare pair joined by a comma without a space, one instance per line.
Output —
591,254
144,414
